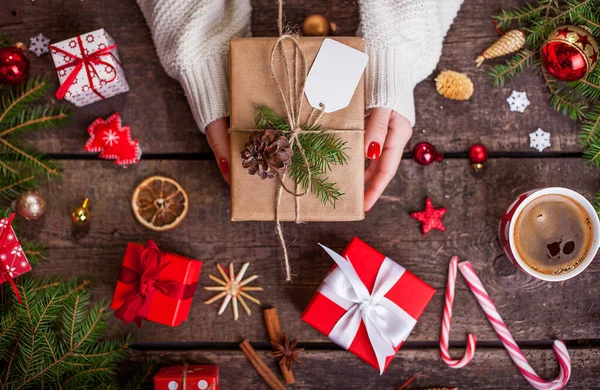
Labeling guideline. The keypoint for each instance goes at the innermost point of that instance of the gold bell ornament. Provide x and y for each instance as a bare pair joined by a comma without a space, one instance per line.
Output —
509,42
317,26
81,214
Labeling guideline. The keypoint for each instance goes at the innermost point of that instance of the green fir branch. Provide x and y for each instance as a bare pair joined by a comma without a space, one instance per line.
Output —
523,14
590,128
322,150
18,100
266,118
55,338
518,63
596,202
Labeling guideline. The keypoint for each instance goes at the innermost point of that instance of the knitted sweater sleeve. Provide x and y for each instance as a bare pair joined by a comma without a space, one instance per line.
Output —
192,41
404,43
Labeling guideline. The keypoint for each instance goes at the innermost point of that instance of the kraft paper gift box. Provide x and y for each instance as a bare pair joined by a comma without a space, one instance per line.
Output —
253,199
88,68
175,279
409,295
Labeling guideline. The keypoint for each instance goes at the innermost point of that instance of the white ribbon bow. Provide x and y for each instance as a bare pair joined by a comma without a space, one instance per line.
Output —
387,323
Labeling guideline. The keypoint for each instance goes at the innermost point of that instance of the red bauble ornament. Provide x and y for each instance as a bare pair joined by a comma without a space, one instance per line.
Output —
424,153
14,64
478,154
430,218
570,53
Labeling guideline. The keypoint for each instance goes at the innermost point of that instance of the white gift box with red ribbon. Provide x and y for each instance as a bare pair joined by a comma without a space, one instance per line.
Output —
88,68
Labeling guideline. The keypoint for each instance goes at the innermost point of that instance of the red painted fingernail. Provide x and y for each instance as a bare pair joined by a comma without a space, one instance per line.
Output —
374,150
224,166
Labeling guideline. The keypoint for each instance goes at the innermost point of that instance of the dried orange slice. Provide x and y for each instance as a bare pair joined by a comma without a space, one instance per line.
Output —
159,203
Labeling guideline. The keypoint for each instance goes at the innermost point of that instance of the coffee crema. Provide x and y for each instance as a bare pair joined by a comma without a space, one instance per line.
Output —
553,234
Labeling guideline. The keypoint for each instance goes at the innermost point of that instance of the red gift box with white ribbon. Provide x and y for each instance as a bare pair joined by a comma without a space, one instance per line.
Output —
202,377
89,68
368,303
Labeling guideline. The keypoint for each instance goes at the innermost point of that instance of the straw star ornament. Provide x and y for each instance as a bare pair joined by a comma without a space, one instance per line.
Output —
233,289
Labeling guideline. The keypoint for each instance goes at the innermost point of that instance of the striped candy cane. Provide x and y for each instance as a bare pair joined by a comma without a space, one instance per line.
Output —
445,333
560,349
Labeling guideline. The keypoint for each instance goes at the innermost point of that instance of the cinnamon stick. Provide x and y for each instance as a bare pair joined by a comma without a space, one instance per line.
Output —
276,336
259,365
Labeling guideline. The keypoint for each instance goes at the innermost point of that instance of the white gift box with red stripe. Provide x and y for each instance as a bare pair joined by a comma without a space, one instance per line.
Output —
89,68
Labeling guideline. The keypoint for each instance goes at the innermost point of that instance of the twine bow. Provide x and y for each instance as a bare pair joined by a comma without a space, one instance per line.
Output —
292,100
4,268
89,61
137,304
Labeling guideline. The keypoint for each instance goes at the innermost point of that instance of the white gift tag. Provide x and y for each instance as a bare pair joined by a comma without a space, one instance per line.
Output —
334,75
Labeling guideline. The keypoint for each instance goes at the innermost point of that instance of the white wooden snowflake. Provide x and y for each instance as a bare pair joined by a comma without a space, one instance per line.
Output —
39,45
539,140
517,101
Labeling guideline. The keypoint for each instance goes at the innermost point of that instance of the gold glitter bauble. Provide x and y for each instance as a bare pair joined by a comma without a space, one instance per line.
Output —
30,205
81,214
315,26
454,85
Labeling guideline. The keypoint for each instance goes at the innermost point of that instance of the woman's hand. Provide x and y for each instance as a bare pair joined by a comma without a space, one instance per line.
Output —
386,135
218,139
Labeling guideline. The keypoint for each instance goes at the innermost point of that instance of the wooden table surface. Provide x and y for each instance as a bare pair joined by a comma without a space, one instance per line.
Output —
156,109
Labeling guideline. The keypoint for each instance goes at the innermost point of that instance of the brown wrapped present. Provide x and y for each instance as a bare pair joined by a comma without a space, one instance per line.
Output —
253,85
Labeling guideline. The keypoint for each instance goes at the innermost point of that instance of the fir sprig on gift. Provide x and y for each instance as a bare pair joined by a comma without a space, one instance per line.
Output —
54,338
579,100
322,151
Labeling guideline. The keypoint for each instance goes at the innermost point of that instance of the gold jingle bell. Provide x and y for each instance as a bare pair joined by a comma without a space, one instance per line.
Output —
81,214
316,26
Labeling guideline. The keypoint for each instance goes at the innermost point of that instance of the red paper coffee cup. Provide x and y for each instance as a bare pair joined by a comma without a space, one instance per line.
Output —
507,229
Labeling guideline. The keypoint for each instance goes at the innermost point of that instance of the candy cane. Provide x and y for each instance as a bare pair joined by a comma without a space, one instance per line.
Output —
560,349
445,333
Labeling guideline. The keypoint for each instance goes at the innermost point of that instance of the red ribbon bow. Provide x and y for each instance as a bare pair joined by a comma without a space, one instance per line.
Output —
137,304
88,61
3,267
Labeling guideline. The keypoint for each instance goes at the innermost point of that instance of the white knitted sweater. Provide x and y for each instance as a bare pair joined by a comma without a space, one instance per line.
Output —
404,41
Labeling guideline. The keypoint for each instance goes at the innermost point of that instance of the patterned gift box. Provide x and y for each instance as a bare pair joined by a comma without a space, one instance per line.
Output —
155,286
380,285
88,68
12,258
202,377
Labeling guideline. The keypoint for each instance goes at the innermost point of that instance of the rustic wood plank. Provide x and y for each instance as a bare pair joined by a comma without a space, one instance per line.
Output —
490,369
157,111
532,309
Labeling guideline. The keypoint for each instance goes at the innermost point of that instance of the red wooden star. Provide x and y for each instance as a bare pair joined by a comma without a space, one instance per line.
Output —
430,218
113,141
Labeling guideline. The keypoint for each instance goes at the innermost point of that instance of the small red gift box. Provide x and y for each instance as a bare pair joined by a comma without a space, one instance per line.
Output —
155,285
203,377
12,258
337,307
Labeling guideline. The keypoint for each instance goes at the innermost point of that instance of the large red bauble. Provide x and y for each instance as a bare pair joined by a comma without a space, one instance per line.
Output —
424,153
570,53
14,65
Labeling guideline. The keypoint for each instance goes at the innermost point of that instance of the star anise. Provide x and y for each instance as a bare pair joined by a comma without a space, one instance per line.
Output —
287,352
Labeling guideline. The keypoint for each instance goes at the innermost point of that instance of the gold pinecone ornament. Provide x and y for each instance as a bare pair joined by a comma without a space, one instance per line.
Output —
268,154
508,43
454,85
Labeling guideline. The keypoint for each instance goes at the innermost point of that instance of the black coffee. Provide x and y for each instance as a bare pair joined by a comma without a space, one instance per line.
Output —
553,234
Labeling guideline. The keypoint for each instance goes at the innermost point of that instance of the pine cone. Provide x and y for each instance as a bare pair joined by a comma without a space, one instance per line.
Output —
267,153
454,85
